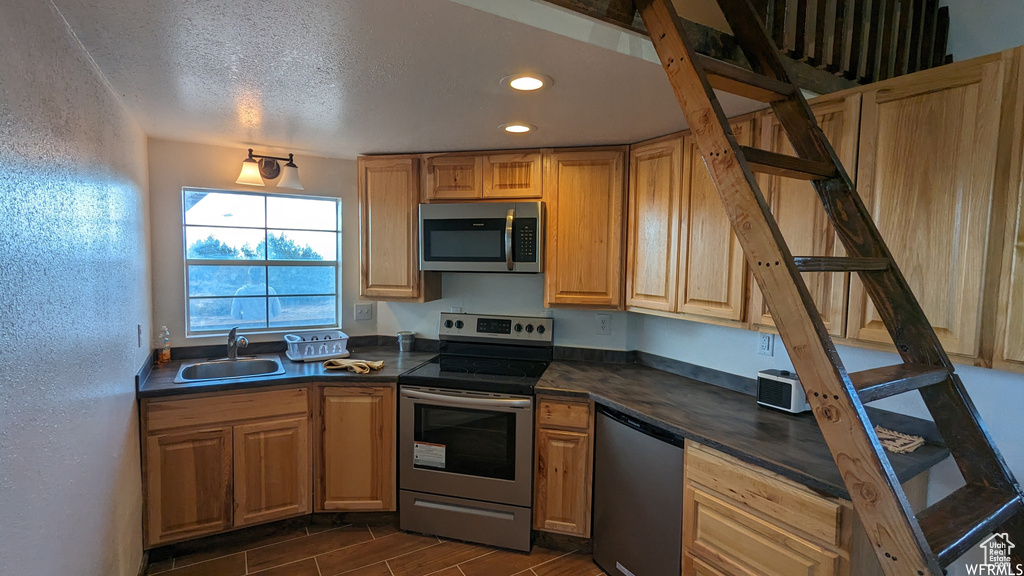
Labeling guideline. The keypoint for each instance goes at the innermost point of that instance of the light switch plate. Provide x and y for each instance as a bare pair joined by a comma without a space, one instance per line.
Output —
362,311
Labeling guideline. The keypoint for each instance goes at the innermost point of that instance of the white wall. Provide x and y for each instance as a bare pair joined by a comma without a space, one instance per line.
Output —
980,27
74,279
173,165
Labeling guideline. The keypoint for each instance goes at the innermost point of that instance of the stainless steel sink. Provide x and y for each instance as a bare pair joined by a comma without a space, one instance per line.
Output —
224,369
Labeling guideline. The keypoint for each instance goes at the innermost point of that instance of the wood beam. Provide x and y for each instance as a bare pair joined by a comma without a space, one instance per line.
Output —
706,40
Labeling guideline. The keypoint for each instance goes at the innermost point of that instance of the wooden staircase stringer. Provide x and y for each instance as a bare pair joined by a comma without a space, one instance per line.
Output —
873,486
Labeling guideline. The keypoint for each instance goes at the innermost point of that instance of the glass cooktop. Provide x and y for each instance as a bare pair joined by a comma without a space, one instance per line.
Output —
511,376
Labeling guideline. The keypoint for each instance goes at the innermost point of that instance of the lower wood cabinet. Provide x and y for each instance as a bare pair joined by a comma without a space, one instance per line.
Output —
742,519
212,462
188,484
355,467
564,467
272,469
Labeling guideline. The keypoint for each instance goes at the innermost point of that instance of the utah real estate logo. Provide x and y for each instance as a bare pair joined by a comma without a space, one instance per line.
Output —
997,562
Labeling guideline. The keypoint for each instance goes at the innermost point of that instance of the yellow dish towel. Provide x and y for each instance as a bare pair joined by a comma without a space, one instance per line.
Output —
357,366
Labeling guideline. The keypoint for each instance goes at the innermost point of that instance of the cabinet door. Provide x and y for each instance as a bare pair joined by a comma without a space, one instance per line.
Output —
562,489
389,228
512,175
188,484
801,216
356,469
653,241
739,542
711,262
585,228
453,177
926,171
272,469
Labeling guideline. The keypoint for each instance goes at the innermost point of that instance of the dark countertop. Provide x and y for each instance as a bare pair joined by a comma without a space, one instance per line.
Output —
160,382
732,422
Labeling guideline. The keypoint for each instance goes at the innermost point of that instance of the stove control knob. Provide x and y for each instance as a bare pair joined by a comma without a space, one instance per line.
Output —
529,328
518,327
448,323
459,324
540,329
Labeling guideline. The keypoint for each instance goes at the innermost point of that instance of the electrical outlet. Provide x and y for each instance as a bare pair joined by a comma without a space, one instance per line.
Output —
604,324
456,310
766,345
362,311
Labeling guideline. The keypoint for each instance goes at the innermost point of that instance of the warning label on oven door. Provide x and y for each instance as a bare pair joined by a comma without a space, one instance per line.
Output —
426,454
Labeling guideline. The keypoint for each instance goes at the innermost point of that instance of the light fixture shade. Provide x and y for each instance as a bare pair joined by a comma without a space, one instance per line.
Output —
290,177
250,173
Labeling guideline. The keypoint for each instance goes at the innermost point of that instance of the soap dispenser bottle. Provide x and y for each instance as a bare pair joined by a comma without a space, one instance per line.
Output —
164,356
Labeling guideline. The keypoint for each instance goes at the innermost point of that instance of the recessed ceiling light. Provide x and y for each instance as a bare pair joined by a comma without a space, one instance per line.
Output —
516,128
526,82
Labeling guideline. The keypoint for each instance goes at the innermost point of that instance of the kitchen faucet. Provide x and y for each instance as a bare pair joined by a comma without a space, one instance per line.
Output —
235,343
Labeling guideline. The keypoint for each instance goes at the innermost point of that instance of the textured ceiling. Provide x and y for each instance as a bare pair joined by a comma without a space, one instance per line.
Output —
342,78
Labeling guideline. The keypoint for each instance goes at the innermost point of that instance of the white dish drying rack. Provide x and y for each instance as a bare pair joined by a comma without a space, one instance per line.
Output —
317,346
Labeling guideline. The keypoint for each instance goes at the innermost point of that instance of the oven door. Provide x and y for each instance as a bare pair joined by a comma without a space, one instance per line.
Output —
468,444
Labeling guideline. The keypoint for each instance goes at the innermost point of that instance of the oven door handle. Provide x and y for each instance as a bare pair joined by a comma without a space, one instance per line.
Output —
509,219
491,402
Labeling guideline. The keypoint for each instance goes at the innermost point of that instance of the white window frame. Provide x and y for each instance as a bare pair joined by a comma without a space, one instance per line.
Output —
186,262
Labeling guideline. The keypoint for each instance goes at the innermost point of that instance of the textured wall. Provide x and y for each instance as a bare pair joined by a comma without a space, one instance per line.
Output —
173,165
74,283
977,28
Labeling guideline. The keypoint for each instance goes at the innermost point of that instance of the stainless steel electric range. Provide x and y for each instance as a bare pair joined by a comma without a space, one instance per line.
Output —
466,430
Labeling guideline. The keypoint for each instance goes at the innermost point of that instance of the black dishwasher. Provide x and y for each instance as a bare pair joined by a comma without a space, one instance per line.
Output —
638,497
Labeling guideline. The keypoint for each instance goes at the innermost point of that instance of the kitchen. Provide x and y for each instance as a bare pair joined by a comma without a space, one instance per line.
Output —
79,164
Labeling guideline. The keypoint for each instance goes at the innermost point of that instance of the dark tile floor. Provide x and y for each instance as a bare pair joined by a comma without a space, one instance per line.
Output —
298,549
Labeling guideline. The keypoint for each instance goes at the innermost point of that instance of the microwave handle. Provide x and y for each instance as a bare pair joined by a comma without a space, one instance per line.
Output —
509,219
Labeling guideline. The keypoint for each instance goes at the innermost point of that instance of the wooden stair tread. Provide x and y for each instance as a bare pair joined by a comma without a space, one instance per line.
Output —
886,381
747,83
788,166
961,520
840,264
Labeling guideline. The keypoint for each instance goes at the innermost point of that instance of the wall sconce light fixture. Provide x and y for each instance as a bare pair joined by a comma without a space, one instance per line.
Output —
254,172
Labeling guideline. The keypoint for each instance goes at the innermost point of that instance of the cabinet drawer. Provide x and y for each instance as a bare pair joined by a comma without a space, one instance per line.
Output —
770,495
188,412
561,414
741,543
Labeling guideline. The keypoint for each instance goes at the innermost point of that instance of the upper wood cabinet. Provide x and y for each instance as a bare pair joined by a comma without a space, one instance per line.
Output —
498,176
712,267
683,257
655,172
389,231
928,150
355,464
585,191
513,175
1006,307
450,177
800,214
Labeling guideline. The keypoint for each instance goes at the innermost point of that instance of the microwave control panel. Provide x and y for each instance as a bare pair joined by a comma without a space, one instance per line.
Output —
524,233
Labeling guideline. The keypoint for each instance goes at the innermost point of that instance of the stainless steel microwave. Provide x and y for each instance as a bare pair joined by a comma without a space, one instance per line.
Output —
482,237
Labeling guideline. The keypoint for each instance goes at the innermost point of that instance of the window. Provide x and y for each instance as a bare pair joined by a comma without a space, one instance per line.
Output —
262,262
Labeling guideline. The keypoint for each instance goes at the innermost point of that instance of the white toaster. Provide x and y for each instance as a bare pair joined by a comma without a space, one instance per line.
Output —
781,389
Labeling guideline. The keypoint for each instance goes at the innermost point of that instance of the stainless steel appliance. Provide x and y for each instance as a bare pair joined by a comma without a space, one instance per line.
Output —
482,237
638,497
781,389
466,430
